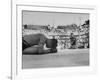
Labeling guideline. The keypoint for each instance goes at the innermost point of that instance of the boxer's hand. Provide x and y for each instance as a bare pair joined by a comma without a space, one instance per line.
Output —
45,48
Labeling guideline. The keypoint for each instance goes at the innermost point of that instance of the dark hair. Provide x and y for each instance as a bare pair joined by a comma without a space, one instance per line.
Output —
51,43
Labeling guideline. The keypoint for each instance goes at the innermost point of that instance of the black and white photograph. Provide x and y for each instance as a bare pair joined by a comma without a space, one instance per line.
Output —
55,39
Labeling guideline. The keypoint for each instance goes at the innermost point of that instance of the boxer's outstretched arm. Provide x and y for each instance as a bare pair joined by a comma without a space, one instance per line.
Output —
41,44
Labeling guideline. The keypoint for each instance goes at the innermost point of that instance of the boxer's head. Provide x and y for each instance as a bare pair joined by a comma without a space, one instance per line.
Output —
51,43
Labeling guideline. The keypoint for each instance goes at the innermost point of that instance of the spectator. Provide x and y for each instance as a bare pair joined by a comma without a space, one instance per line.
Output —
72,41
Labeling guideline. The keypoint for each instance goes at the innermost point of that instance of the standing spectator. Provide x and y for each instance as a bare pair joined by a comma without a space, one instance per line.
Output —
72,41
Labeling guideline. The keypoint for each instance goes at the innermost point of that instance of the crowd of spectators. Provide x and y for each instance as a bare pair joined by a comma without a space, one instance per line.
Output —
66,39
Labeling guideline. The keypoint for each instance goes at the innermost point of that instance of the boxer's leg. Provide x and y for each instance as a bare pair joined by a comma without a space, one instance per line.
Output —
31,50
35,50
24,44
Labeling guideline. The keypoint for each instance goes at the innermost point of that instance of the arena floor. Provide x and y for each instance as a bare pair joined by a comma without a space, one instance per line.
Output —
64,58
